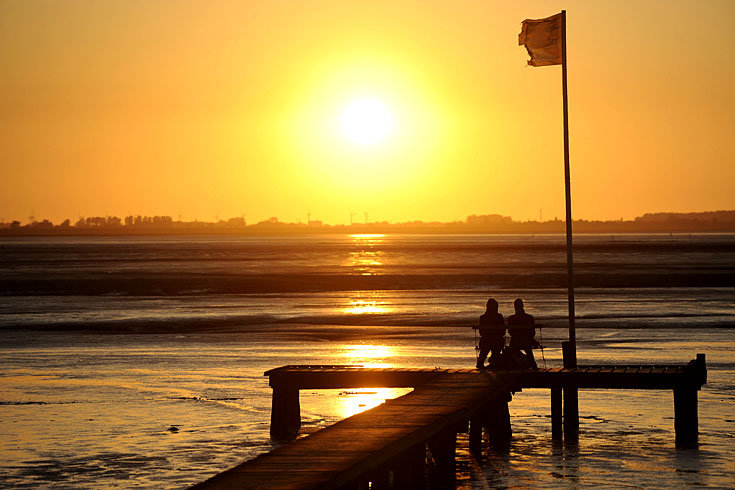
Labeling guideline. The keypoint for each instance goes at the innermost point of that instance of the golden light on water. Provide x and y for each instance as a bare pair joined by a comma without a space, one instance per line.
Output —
358,353
369,355
366,236
356,401
361,307
366,261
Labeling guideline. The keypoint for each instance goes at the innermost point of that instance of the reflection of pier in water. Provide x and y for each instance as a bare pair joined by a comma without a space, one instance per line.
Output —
386,447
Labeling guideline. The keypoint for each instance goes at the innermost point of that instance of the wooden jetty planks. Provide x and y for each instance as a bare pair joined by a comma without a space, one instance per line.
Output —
296,377
354,447
615,377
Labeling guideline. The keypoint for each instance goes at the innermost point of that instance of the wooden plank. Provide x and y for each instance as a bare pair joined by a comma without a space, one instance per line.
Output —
355,446
342,452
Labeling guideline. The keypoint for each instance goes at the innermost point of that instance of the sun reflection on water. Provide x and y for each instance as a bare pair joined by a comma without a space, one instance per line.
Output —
351,402
355,401
366,261
361,307
366,236
368,354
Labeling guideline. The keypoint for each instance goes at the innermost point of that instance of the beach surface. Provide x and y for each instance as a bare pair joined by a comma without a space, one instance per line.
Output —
131,387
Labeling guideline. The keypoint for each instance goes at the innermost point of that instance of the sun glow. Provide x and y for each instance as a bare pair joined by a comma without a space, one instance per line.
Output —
372,160
366,121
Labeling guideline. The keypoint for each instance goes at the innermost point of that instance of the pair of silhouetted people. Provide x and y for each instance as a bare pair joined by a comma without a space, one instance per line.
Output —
522,330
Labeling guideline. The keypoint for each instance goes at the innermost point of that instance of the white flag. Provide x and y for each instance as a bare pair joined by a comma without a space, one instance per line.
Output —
542,39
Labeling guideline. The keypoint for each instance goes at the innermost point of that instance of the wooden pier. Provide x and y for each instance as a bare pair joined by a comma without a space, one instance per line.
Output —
386,447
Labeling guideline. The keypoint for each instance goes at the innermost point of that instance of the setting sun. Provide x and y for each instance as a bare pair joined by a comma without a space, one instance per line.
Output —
227,225
366,121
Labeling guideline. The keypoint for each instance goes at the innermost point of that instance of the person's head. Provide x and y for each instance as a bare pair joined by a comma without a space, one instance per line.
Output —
518,305
492,306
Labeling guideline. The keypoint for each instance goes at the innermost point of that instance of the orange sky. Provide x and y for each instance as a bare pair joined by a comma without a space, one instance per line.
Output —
229,107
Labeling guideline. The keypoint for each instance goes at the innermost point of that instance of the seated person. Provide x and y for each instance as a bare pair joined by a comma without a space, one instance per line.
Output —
522,329
492,334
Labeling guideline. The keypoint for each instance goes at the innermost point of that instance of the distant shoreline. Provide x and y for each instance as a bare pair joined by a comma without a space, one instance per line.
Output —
580,228
493,224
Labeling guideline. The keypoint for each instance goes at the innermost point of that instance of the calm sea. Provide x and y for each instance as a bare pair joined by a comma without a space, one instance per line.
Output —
139,361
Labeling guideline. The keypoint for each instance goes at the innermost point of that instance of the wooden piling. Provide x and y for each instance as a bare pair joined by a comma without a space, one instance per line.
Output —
495,419
556,418
285,413
475,439
686,418
443,448
410,470
571,396
686,421
571,413
380,479
505,430
357,485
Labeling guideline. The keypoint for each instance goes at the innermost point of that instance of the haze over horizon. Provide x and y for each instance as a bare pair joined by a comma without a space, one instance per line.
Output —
229,108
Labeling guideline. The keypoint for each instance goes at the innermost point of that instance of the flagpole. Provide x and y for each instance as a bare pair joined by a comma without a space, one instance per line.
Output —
570,358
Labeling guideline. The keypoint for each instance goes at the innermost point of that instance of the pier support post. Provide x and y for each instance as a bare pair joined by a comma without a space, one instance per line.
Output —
571,396
361,484
571,414
476,436
686,420
556,424
505,430
285,413
496,419
380,479
409,470
443,449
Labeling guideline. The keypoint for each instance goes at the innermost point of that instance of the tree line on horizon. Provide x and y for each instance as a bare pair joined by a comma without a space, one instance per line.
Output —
710,221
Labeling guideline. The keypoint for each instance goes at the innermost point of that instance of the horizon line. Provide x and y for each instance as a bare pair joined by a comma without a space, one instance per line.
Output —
132,221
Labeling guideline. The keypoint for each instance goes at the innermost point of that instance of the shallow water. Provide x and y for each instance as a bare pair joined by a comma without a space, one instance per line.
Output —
85,410
179,284
139,362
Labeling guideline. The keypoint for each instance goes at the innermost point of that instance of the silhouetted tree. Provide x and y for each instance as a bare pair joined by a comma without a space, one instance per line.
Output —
43,225
236,222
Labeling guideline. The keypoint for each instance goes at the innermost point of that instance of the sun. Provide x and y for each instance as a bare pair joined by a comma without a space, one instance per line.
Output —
366,121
